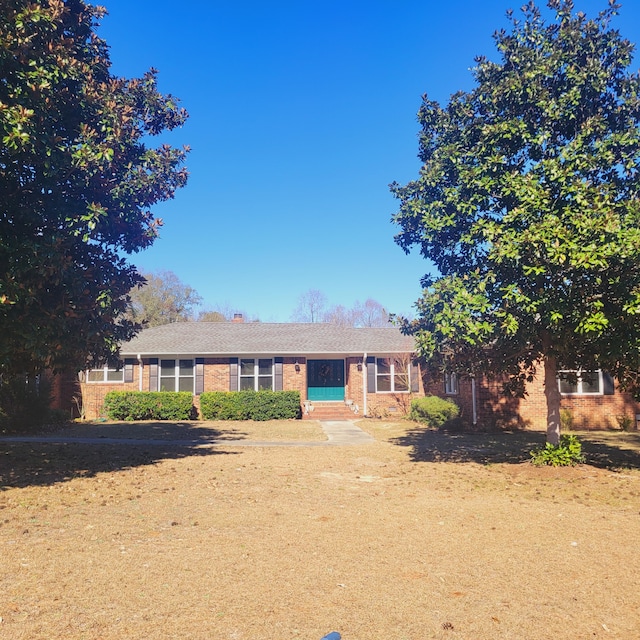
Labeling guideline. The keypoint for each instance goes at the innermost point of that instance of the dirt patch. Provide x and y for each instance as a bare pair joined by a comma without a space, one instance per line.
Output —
417,535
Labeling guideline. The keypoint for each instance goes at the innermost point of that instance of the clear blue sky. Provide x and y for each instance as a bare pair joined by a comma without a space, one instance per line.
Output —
301,114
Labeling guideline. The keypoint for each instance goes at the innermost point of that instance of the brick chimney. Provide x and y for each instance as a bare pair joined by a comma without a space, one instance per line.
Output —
238,317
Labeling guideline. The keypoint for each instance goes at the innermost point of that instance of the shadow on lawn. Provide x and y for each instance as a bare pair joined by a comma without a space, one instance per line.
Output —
607,450
41,462
611,450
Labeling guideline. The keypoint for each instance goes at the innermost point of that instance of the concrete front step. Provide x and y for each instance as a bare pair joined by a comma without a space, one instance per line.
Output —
329,411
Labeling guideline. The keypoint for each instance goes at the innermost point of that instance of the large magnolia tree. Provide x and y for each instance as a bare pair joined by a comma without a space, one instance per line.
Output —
528,204
77,183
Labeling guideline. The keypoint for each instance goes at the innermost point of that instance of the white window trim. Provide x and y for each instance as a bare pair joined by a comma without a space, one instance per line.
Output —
579,391
256,372
392,365
105,375
451,387
176,373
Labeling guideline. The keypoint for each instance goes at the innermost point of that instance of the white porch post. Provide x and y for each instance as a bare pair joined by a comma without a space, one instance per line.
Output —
474,407
364,384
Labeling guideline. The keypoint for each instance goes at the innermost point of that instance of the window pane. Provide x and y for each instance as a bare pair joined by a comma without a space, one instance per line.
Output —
247,384
264,367
567,386
96,375
450,383
167,367
246,367
186,367
167,384
401,383
264,383
384,383
383,365
115,376
185,384
590,381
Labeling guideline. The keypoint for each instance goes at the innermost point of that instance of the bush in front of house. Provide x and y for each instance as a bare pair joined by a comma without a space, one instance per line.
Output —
433,411
567,453
149,405
250,405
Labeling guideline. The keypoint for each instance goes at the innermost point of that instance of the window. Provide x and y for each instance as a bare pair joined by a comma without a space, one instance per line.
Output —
451,384
391,375
176,375
106,374
256,374
580,382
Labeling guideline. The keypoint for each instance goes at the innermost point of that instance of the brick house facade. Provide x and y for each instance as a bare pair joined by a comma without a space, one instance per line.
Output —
487,407
340,372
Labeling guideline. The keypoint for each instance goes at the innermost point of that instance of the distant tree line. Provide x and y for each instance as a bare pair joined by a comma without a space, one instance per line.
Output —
163,298
313,307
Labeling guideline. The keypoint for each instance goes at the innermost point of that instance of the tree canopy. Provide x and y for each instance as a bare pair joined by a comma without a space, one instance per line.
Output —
77,183
162,299
528,204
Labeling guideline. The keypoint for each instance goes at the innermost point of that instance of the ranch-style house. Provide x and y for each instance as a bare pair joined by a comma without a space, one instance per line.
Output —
340,373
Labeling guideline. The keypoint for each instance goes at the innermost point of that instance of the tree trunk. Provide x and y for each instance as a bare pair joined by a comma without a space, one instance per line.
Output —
552,395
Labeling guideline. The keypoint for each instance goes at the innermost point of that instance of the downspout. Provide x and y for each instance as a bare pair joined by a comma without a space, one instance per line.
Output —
364,385
474,401
139,372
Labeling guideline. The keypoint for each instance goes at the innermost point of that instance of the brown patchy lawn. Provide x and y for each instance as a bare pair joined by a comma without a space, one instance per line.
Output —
419,535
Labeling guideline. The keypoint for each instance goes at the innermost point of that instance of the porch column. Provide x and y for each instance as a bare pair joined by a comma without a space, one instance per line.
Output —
364,384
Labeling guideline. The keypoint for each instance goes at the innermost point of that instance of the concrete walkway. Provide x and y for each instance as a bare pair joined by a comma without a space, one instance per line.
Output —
339,433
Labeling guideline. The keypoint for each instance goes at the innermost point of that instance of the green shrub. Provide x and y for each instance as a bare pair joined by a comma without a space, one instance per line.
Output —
566,419
567,453
433,411
250,405
625,422
149,405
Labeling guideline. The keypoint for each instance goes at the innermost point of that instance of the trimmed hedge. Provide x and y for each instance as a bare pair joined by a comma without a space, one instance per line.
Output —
433,411
149,405
250,405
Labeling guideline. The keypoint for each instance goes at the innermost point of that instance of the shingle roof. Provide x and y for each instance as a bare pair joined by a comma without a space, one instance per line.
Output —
254,338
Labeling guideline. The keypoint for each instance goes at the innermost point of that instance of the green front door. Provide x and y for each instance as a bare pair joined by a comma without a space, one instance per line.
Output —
325,380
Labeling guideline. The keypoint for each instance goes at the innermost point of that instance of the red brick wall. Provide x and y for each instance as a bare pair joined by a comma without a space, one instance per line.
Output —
66,394
293,380
493,408
93,394
386,404
589,412
216,378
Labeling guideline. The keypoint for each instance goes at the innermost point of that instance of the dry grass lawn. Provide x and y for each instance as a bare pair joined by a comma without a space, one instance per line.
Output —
418,535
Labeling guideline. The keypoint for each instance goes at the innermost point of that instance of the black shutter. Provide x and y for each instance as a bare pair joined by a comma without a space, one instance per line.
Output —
199,376
233,374
153,374
415,377
608,385
371,374
278,377
128,369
